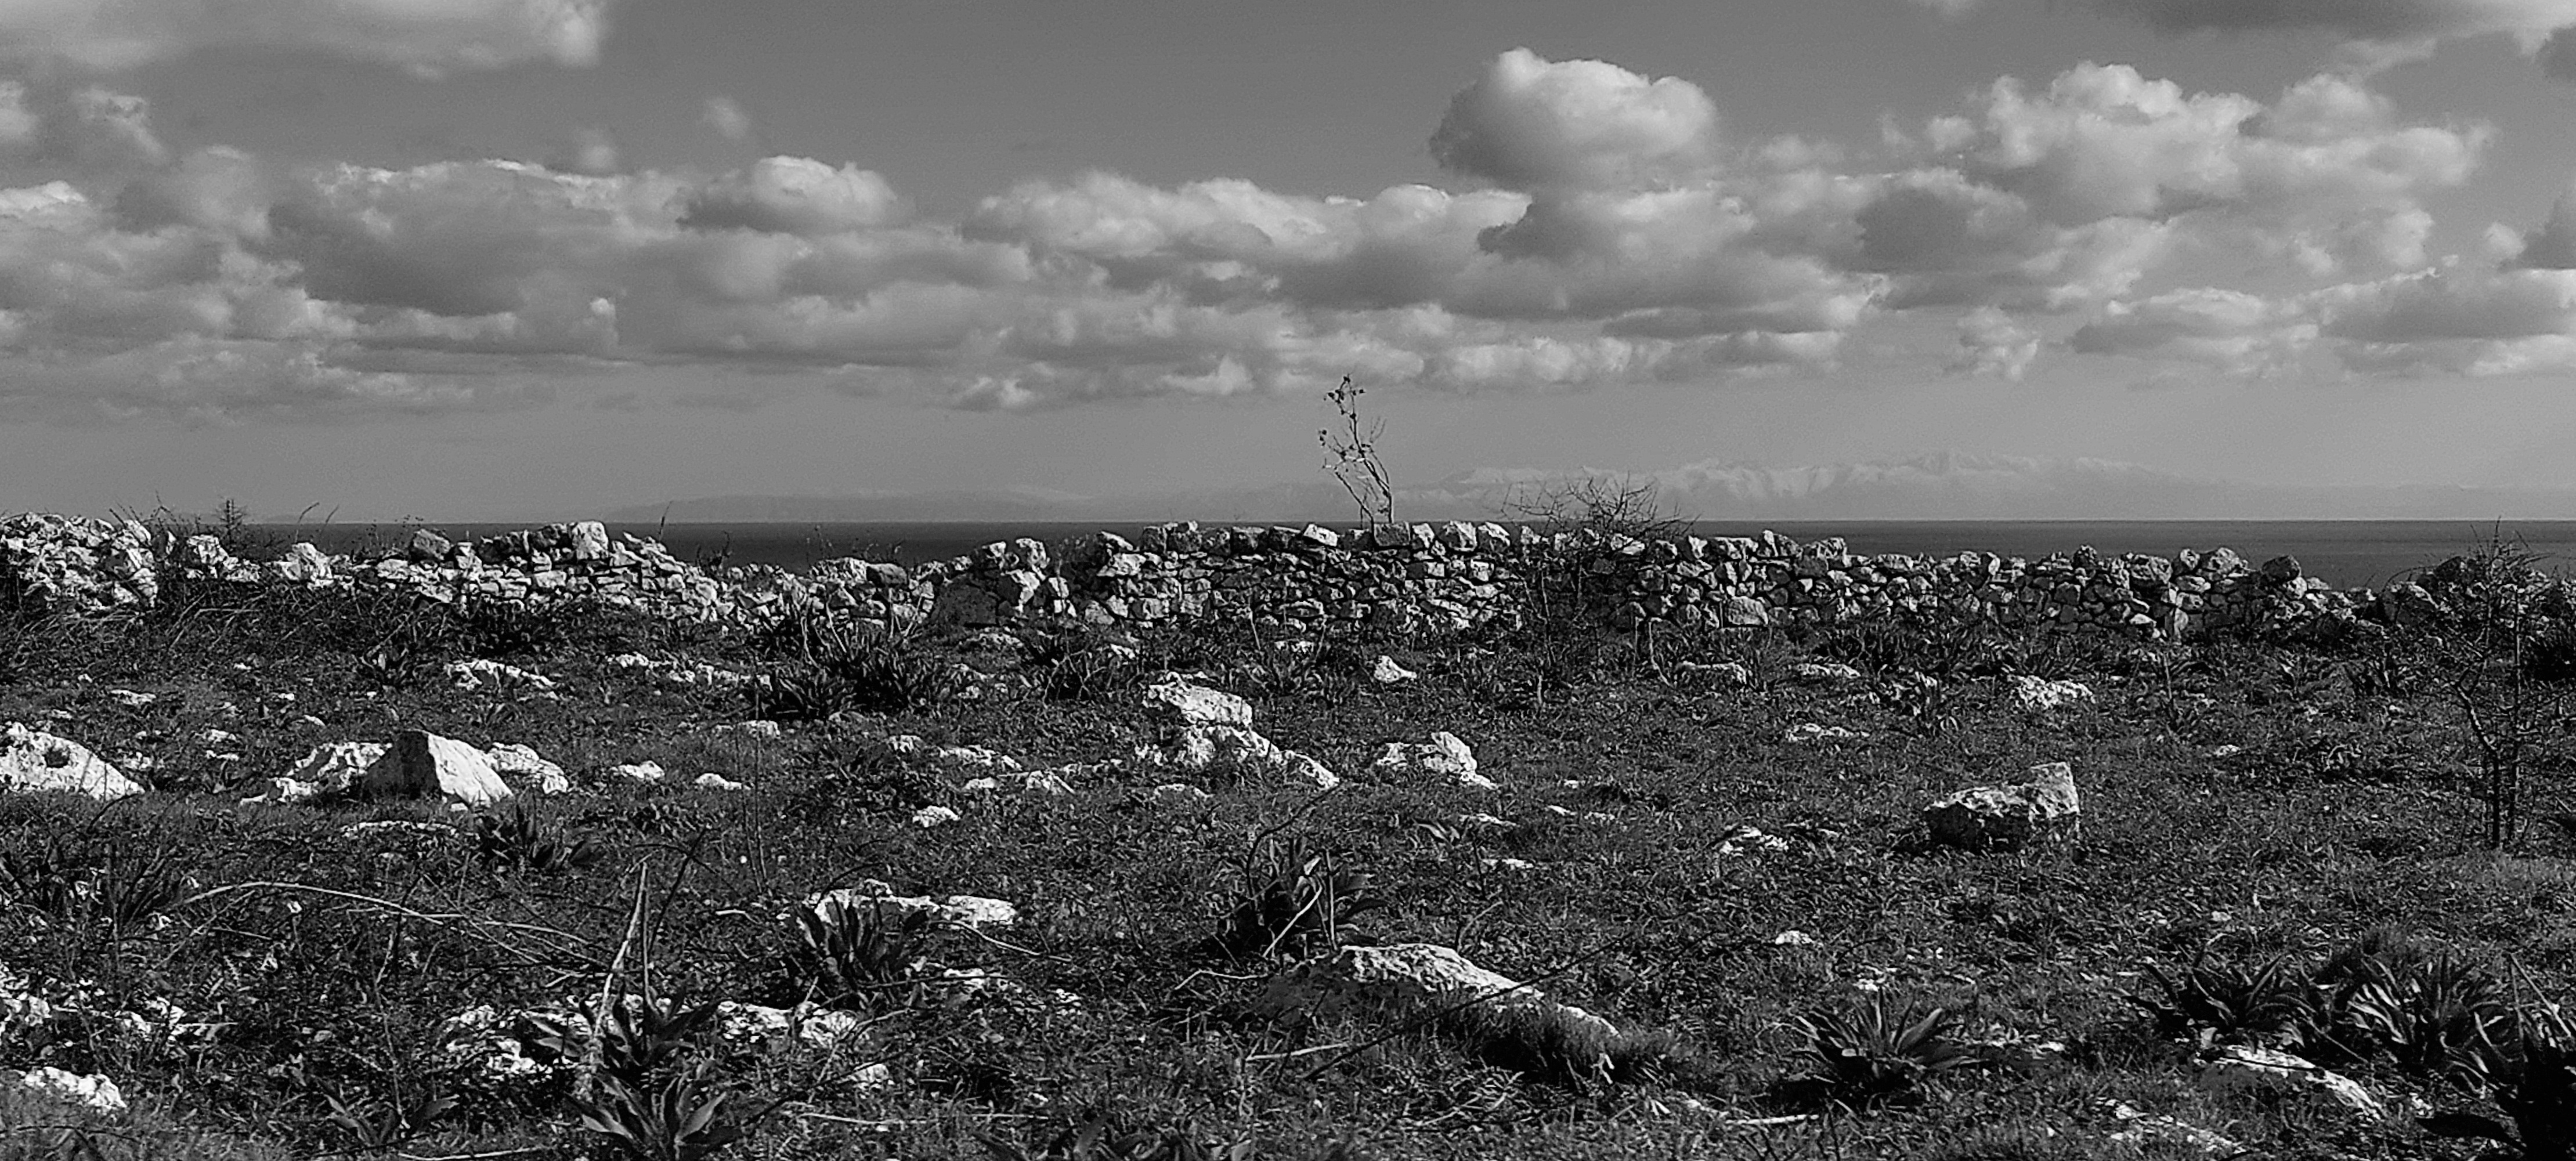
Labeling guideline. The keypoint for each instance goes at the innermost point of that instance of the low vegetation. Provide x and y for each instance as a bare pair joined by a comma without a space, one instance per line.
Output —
2351,857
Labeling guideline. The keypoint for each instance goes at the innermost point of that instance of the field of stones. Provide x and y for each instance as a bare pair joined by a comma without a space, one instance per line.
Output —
293,871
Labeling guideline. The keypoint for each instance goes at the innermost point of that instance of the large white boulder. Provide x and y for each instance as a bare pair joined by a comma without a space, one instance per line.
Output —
2011,816
421,764
1182,702
33,761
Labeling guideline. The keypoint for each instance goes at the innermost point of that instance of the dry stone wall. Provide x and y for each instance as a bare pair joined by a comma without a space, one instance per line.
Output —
1407,578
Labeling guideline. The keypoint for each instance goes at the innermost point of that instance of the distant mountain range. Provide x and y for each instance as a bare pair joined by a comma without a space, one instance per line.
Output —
1938,486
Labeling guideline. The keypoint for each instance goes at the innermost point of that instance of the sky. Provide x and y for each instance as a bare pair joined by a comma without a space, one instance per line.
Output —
490,259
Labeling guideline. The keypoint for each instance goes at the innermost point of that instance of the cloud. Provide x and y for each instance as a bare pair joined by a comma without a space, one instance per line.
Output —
2514,316
1610,237
427,36
88,127
2230,331
1531,123
588,151
2326,175
796,195
727,118
1992,344
2553,246
2381,21
2375,33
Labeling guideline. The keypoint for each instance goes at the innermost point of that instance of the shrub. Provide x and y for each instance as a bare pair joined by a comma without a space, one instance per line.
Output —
515,837
1295,898
860,954
1870,1055
2213,1001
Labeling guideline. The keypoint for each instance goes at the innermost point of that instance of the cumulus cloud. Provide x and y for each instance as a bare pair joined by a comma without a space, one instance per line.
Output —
1610,237
1992,344
428,36
2230,331
1532,123
2375,33
796,195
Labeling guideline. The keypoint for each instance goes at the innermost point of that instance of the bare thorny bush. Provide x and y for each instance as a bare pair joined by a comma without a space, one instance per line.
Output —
2499,651
1351,454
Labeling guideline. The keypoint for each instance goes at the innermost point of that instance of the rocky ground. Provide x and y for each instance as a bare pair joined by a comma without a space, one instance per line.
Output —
294,872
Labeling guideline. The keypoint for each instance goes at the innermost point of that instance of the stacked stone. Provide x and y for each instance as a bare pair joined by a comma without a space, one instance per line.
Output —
76,564
1002,583
1690,582
1412,576
556,563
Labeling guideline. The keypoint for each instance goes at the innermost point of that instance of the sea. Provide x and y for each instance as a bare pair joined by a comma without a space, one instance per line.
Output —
2343,552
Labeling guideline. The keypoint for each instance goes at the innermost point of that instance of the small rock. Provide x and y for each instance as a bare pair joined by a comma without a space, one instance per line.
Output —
1807,733
2238,1068
1178,794
1387,672
131,699
1179,701
960,911
2008,817
421,764
1444,756
1824,673
714,781
640,771
933,816
2039,694
96,1093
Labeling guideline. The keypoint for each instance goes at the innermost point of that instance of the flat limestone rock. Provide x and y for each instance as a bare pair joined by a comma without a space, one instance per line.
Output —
1402,981
1444,756
421,764
33,761
1183,702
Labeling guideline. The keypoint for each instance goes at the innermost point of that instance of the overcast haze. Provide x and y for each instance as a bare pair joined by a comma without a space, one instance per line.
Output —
493,259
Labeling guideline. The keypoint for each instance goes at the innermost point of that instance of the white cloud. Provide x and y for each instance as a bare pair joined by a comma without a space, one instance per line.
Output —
428,36
1992,344
2230,331
1531,123
796,195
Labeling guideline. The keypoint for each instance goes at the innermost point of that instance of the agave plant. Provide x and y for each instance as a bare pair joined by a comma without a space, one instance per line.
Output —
2532,1080
517,838
1870,1055
683,1118
2439,1017
2214,1001
1295,898
861,953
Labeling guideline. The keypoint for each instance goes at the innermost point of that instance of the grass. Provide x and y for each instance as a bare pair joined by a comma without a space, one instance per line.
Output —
2000,1002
